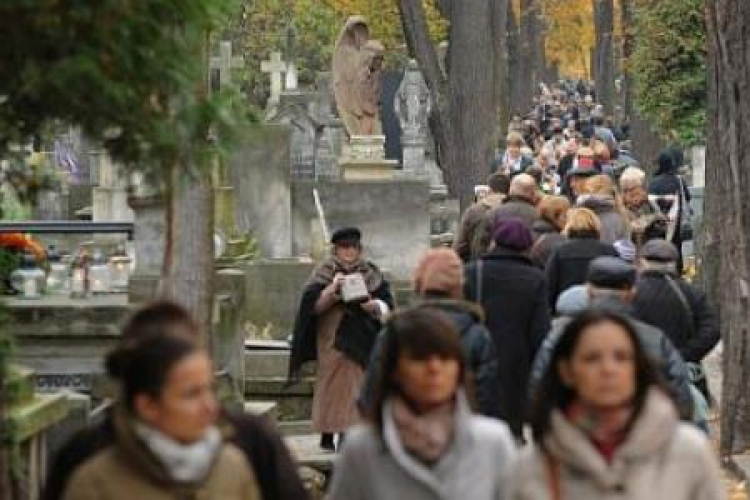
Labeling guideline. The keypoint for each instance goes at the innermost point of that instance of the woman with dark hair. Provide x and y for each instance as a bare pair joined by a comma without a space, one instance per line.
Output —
604,428
262,446
337,325
168,441
421,440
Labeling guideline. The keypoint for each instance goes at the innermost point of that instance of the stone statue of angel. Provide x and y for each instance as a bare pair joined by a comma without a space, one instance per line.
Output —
357,78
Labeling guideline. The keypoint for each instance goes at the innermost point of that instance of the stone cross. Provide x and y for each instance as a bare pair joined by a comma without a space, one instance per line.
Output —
276,67
224,63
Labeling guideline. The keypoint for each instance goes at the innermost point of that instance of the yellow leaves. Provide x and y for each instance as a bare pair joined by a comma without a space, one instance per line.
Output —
570,35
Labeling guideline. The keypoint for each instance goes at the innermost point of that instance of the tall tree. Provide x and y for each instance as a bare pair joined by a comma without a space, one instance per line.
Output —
515,87
529,48
727,250
627,16
604,67
465,95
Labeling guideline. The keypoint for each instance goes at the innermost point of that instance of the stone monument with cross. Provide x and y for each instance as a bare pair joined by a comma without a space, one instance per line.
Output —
222,65
224,204
276,67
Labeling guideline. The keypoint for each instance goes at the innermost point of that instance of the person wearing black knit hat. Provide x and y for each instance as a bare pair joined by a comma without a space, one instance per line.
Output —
343,304
513,293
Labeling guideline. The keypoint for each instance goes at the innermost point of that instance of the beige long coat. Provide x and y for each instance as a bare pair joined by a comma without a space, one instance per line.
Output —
662,459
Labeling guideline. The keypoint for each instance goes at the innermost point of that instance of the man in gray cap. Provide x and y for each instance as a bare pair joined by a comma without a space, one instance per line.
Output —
663,299
610,285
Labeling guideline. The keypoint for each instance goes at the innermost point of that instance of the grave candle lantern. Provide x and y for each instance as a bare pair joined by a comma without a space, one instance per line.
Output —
119,273
99,274
29,280
57,279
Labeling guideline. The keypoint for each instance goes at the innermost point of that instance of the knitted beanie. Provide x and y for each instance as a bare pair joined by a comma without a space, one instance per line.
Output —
512,233
440,270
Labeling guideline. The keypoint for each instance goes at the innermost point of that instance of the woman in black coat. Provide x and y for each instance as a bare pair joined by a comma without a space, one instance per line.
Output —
568,263
668,185
513,293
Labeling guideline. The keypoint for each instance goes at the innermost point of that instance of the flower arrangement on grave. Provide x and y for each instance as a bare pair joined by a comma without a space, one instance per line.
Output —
12,248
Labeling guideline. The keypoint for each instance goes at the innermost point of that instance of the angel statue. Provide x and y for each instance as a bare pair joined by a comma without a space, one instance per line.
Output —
357,78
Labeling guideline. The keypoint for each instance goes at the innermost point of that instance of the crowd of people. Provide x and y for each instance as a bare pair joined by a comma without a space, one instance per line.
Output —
554,352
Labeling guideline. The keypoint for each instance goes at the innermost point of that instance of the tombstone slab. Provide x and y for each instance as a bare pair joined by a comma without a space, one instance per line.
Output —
260,171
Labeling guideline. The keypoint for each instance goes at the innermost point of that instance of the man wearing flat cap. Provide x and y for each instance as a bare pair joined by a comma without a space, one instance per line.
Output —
340,314
663,299
610,285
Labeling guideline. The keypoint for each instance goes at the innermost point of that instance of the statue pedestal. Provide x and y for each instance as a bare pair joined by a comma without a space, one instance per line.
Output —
363,159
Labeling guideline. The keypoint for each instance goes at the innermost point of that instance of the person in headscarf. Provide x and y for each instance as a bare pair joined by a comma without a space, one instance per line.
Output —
339,334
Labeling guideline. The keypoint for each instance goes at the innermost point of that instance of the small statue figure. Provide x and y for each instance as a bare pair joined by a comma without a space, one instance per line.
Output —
412,103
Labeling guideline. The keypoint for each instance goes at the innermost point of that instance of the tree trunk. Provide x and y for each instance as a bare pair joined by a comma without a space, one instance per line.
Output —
189,273
604,67
189,269
628,46
465,111
502,87
728,182
528,53
515,88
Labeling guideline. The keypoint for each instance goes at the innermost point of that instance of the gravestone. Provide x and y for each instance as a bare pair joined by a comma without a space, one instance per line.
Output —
110,197
276,67
294,111
222,65
331,137
389,116
260,170
149,230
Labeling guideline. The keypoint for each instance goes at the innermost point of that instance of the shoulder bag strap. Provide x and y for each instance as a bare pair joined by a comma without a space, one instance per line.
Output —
480,284
553,476
683,300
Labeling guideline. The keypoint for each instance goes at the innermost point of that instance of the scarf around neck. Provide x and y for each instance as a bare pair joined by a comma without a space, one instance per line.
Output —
426,436
184,463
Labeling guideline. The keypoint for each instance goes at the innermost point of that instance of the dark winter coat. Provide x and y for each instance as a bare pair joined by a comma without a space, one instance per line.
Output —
546,237
275,471
479,352
691,325
657,346
471,224
513,294
568,264
516,207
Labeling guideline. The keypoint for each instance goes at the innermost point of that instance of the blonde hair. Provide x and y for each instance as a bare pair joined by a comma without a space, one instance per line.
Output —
552,208
582,221
603,185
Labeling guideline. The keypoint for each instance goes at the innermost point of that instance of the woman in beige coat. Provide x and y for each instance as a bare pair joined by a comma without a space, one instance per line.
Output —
604,429
168,443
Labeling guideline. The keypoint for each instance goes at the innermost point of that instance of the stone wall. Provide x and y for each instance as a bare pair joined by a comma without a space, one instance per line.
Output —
393,215
272,295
